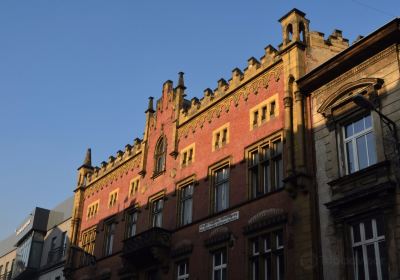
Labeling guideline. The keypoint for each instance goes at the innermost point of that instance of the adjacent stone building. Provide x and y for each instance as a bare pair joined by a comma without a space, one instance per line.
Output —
219,187
37,249
355,101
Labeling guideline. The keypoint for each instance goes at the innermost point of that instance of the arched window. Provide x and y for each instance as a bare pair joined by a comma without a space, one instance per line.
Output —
159,155
302,31
289,33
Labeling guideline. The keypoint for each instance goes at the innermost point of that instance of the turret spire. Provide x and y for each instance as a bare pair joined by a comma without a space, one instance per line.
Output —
150,106
88,159
181,82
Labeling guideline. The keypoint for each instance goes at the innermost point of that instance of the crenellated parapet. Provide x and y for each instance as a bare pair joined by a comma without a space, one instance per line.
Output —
335,42
226,88
121,158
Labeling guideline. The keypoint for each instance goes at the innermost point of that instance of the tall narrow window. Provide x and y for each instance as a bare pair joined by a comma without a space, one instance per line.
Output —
359,142
64,240
183,270
272,110
109,231
131,220
186,202
156,212
369,249
160,152
265,168
267,256
278,164
221,189
219,265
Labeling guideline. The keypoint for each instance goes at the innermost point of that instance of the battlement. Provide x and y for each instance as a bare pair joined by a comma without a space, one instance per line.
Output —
239,77
336,42
114,162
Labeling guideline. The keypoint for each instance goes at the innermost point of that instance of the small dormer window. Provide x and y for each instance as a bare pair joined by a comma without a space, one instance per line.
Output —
160,152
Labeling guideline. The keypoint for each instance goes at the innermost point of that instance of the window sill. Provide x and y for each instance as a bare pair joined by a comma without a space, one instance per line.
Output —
155,175
372,175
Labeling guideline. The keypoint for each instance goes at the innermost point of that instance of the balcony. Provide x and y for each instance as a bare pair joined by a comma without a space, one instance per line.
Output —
149,247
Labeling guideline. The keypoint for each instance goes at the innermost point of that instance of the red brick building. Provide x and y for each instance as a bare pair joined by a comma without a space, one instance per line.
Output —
218,188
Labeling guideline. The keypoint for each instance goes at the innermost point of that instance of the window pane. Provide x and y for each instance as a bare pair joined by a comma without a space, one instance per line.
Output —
380,226
348,130
224,274
267,267
350,157
266,177
358,126
371,148
281,267
382,256
217,259
368,229
362,152
359,263
371,260
356,233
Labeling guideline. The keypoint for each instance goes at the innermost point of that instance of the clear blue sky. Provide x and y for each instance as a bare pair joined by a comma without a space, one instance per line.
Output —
76,74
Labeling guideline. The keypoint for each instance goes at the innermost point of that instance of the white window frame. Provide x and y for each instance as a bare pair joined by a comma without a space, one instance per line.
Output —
223,266
375,240
353,140
224,184
185,275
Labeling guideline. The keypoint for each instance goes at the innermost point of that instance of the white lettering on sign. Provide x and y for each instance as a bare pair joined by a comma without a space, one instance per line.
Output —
219,222
18,231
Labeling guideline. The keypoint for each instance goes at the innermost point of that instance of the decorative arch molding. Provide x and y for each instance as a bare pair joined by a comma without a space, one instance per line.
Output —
345,93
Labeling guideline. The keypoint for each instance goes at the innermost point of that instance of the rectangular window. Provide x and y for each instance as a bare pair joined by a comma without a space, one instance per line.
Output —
359,144
263,113
265,168
221,189
272,110
131,220
267,256
219,265
112,198
134,187
220,137
185,205
156,212
369,249
109,235
182,270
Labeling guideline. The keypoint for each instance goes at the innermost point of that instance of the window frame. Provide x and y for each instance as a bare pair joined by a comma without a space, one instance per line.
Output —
182,200
110,231
222,266
185,276
267,156
160,153
353,140
364,243
134,211
275,252
212,173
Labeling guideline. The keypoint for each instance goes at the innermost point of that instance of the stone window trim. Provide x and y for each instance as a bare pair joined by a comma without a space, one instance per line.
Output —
264,112
161,195
127,212
339,110
187,155
220,137
109,233
88,239
191,180
93,209
113,198
225,162
134,186
259,148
